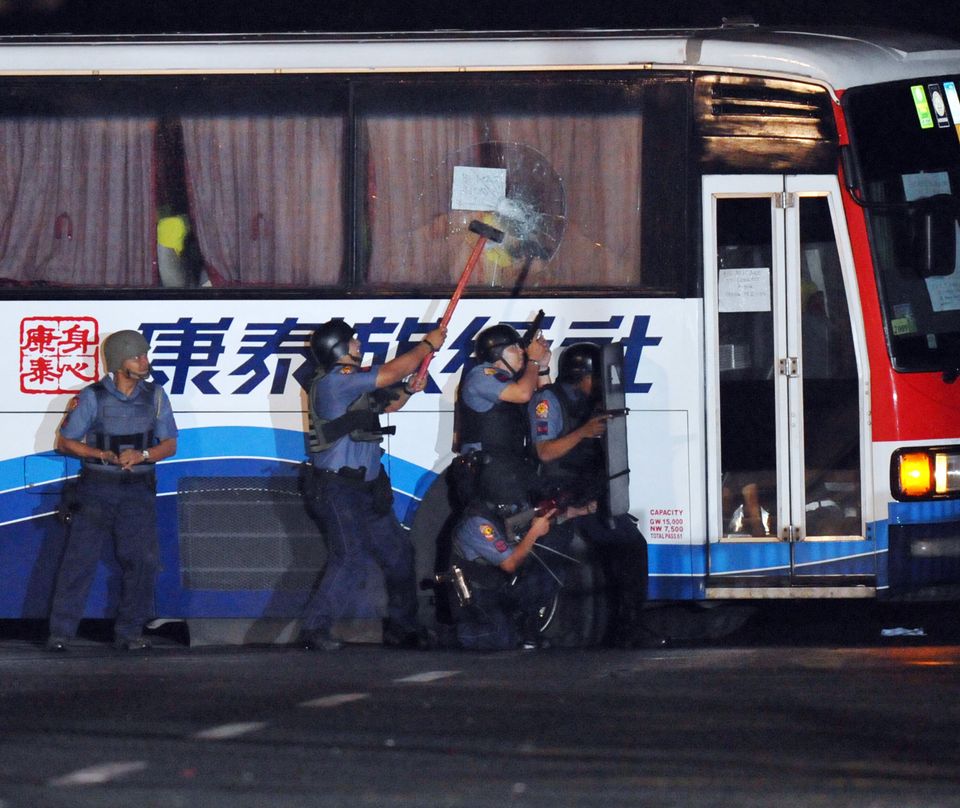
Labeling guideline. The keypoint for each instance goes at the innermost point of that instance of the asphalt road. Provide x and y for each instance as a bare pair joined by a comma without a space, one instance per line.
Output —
771,717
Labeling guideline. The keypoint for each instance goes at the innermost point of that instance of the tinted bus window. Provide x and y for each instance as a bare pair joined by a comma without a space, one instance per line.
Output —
558,163
310,181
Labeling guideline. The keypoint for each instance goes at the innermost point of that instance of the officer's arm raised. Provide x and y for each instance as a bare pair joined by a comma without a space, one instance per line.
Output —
522,390
402,366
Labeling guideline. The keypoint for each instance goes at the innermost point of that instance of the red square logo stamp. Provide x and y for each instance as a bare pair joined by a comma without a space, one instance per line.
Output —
58,354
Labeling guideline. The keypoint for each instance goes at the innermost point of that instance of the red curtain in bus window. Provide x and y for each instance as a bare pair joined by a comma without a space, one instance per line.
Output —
266,198
76,201
417,239
408,198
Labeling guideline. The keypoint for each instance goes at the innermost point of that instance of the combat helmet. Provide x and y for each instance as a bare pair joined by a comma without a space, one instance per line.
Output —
578,360
330,342
123,345
491,341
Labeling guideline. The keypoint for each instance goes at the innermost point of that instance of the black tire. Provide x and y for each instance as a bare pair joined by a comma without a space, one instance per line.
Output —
582,614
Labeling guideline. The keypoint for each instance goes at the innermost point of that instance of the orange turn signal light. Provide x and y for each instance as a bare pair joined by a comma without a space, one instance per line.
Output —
916,474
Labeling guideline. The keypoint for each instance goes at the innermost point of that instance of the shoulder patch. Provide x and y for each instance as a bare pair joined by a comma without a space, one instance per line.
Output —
542,409
501,546
367,369
346,370
488,532
490,371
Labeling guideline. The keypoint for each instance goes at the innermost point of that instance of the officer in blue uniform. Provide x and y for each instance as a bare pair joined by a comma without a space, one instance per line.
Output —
503,586
347,490
493,396
119,427
565,427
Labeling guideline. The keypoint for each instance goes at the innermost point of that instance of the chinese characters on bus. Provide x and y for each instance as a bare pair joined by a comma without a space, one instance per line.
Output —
58,354
193,355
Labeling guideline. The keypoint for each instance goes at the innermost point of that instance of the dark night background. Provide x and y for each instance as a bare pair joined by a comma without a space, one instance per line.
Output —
242,16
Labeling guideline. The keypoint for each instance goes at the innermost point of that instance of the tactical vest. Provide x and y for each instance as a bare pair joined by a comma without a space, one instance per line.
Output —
123,425
501,431
509,475
586,458
361,421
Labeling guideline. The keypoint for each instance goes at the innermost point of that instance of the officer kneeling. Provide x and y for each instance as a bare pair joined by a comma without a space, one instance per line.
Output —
499,584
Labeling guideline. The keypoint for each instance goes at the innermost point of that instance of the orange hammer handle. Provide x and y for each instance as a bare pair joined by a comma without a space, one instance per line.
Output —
454,299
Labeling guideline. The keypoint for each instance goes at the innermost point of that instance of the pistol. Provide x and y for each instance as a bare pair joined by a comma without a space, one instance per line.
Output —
531,333
459,582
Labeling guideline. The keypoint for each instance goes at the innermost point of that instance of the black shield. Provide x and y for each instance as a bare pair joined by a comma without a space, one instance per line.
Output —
615,438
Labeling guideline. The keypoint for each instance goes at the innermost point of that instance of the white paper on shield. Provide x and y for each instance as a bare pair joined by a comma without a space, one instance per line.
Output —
742,290
478,188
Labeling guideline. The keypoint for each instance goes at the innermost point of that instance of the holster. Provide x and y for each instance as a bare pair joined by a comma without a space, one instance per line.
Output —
70,501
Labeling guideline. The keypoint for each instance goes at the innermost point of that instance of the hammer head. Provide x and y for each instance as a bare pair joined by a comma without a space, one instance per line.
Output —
486,231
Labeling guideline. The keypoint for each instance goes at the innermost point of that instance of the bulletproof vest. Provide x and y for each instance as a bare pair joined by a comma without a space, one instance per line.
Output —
501,431
361,421
587,456
123,425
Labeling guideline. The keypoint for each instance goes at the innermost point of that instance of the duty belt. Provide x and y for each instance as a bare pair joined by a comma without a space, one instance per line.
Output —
120,477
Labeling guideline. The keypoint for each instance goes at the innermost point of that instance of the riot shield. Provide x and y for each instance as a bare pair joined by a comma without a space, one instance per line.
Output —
615,439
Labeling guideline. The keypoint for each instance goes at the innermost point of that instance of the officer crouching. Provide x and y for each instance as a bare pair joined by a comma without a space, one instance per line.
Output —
499,586
565,427
119,427
347,491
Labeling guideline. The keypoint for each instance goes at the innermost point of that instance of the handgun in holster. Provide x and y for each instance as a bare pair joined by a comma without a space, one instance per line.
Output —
458,581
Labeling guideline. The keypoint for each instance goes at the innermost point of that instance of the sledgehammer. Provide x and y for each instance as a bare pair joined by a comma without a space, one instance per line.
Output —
486,233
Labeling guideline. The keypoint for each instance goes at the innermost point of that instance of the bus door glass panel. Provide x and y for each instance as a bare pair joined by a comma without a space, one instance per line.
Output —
830,384
747,378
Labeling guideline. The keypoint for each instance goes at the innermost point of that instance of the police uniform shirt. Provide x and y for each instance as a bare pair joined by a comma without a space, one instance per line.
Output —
478,538
80,421
333,393
546,413
481,391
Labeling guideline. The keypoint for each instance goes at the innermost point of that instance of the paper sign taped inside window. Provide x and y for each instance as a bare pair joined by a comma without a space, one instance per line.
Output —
742,290
478,188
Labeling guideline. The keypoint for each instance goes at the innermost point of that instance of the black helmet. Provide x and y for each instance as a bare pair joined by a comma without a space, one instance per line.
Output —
579,360
491,341
121,346
330,341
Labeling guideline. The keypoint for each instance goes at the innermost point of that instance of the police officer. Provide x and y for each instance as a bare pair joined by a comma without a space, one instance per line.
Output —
347,490
502,587
565,427
119,427
492,403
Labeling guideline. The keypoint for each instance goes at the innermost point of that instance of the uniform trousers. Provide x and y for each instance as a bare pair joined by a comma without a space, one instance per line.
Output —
122,507
355,532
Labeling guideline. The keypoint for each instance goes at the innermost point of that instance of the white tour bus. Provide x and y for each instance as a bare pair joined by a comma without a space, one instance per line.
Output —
765,219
